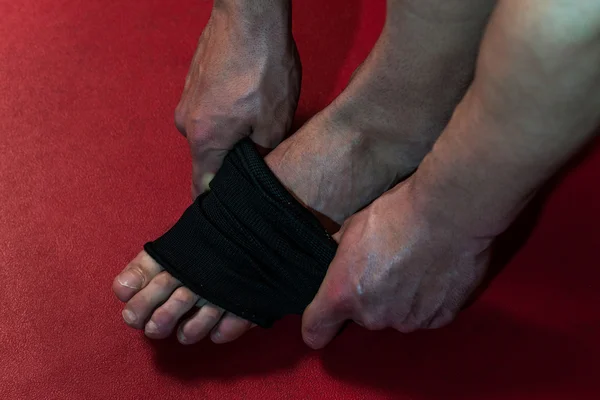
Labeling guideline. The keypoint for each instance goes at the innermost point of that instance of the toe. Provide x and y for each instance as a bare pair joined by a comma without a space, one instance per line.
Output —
142,305
135,276
200,324
165,318
230,328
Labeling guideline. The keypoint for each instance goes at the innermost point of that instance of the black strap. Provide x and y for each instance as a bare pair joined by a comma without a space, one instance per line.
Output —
247,245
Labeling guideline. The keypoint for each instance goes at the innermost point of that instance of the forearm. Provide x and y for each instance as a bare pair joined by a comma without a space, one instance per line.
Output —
261,27
255,13
534,102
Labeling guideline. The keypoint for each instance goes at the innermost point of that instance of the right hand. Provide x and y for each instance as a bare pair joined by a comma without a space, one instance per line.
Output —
244,80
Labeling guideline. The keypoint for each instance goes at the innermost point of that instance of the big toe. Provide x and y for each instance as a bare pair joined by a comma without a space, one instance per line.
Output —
136,276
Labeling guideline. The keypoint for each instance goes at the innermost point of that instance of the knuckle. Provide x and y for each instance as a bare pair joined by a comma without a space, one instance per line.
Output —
405,323
198,129
444,317
200,138
211,312
373,322
184,296
180,119
164,279
350,291
406,328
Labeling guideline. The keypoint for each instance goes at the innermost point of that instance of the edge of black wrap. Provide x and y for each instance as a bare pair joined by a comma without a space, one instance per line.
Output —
248,245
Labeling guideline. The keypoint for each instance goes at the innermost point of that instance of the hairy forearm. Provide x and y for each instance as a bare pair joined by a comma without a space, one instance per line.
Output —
534,102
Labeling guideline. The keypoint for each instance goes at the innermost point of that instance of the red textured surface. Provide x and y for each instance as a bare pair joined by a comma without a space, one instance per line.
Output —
91,166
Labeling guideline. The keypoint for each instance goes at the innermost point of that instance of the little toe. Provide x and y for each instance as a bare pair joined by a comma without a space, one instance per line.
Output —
230,328
200,324
165,318
142,305
136,275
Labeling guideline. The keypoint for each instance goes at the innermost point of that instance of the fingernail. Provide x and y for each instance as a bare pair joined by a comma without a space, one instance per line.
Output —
129,316
151,327
130,280
206,178
216,336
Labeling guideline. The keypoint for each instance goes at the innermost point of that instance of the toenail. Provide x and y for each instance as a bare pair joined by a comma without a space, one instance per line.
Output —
151,327
181,337
130,280
129,316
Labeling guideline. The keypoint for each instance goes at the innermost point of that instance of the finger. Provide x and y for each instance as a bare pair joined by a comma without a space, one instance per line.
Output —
206,162
440,319
205,165
338,235
325,315
135,276
320,325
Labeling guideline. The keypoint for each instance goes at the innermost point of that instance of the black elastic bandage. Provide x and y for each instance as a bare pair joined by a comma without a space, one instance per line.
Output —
247,245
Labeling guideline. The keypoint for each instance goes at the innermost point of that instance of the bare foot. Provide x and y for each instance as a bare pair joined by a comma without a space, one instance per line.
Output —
375,133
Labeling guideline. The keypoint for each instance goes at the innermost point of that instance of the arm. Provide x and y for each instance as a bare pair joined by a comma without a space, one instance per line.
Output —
414,256
534,102
244,80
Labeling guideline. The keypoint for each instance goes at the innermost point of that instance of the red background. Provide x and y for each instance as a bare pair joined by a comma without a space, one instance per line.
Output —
91,166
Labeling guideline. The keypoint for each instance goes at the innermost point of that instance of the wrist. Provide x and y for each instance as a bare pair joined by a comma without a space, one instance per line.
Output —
259,25
470,180
472,212
264,12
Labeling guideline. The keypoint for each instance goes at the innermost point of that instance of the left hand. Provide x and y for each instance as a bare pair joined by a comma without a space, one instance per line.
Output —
396,266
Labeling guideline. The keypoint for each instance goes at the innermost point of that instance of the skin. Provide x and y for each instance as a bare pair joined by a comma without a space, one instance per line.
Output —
244,80
348,154
411,259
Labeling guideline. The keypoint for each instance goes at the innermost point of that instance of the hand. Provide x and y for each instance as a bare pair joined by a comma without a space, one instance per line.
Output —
412,258
396,266
244,80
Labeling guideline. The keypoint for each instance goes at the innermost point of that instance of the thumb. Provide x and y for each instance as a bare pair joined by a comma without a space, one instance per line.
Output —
323,318
340,233
206,163
204,167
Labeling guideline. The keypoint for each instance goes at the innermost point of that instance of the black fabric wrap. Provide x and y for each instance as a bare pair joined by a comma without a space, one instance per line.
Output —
247,245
